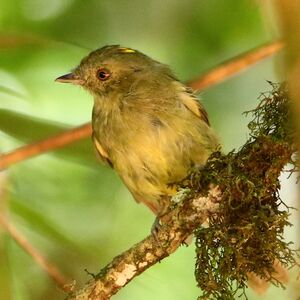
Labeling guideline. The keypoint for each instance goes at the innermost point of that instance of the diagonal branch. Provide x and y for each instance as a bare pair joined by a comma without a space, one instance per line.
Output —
50,269
234,66
212,77
180,223
58,141
14,40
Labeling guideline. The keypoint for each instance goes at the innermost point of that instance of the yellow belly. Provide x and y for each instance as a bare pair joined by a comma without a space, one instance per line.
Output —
149,164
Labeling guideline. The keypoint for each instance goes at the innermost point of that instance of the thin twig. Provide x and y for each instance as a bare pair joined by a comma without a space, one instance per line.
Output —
234,66
46,145
213,77
15,40
51,270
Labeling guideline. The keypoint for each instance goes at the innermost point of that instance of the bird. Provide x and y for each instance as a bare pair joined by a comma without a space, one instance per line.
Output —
147,125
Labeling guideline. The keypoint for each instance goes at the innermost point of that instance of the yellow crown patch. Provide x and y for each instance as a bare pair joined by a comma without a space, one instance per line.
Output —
126,50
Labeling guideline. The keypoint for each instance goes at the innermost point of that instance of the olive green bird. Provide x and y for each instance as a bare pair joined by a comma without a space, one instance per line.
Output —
147,125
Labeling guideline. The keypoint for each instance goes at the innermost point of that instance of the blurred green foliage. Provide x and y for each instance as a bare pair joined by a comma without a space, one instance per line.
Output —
75,211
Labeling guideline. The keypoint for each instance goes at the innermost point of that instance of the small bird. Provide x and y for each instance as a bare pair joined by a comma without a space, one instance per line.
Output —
147,125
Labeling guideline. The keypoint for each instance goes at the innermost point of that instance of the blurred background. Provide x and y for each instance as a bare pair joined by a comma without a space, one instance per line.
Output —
75,211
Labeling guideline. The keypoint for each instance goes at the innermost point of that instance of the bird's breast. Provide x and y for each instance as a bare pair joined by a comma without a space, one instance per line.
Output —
151,150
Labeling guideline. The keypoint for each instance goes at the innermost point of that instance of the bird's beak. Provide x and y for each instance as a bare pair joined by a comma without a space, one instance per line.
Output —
70,78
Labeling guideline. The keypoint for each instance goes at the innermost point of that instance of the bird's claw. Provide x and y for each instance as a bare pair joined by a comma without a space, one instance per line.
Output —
155,228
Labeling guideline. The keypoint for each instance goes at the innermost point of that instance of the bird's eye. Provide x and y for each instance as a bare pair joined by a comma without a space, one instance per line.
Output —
103,74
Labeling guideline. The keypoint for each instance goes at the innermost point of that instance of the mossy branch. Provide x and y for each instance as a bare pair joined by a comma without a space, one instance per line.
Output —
238,193
246,235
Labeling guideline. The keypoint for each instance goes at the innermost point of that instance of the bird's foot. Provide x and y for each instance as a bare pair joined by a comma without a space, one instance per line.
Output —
155,227
158,224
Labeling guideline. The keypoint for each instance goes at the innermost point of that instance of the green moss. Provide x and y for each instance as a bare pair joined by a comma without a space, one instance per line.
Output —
246,235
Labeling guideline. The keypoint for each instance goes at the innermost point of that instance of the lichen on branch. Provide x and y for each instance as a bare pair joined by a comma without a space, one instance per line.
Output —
245,236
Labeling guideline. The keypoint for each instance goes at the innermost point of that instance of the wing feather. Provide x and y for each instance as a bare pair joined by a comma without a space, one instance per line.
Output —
192,103
101,152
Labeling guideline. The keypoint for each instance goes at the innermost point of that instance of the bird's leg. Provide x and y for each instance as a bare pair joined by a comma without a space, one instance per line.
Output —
156,225
164,204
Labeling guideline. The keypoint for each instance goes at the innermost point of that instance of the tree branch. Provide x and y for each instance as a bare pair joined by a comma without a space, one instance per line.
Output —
58,141
14,40
50,269
234,66
179,223
213,77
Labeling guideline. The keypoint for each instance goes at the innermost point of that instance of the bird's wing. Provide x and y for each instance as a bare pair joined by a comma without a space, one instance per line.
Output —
191,102
101,152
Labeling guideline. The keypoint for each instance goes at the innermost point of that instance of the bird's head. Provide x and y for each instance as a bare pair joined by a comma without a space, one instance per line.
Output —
114,69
